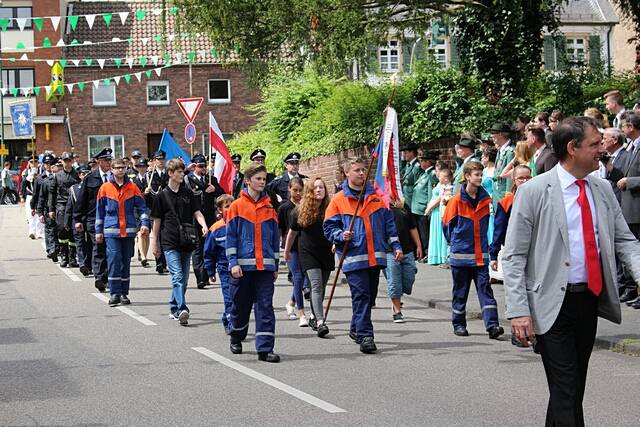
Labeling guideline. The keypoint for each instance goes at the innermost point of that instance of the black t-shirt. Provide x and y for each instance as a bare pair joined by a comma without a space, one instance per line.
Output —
284,218
404,222
185,204
314,250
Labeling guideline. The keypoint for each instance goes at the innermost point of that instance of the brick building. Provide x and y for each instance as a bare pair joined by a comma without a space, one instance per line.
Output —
127,116
17,73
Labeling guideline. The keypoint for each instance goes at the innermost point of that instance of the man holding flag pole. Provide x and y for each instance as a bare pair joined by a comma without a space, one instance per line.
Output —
362,227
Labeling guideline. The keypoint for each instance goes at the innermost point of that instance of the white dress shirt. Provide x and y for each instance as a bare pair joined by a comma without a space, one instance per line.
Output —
536,155
570,192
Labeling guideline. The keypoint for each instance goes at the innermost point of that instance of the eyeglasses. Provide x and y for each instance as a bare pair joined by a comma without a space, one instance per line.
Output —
523,178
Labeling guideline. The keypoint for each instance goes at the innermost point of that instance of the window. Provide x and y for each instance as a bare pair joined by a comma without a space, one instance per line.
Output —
219,91
577,51
439,52
157,93
16,12
103,95
98,142
17,77
206,147
389,57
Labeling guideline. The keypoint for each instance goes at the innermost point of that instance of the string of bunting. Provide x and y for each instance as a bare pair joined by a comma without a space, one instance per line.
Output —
189,57
47,44
107,17
37,90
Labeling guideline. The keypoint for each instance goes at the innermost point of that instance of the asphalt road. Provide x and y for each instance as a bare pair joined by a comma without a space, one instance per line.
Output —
67,358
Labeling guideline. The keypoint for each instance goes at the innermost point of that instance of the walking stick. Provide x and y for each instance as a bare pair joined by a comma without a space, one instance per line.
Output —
355,212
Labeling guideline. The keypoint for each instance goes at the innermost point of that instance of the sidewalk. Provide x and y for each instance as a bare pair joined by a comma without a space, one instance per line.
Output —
433,288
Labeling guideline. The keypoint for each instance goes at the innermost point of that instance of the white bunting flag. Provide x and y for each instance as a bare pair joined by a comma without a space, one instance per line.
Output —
123,16
157,11
87,42
55,22
158,71
171,37
47,89
4,91
50,62
70,87
101,63
178,58
26,91
75,62
60,43
21,23
139,76
90,19
144,40
96,83
117,80
202,53
24,57
155,59
116,39
130,62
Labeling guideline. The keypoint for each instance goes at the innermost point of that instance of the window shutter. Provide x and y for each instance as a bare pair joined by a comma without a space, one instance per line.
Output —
595,53
407,45
549,53
561,53
454,59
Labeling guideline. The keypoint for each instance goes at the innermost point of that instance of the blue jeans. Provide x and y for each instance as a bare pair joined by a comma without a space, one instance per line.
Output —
178,263
400,275
119,253
298,279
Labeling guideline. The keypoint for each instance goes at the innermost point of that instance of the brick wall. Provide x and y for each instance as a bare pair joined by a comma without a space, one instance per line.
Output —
133,119
325,166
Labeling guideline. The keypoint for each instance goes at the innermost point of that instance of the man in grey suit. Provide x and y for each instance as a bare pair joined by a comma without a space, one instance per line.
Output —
613,164
543,158
559,265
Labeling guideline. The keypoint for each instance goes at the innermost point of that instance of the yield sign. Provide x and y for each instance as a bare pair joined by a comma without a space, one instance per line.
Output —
190,107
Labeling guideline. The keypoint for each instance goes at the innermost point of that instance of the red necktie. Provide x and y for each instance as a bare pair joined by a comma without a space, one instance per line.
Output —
594,272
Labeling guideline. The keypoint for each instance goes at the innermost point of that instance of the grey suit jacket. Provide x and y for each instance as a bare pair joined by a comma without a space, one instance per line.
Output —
631,195
536,254
546,161
616,173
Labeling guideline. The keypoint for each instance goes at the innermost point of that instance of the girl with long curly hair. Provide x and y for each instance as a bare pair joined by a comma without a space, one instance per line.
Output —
314,250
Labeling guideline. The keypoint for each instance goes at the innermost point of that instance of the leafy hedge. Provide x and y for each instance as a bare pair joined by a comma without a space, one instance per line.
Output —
317,116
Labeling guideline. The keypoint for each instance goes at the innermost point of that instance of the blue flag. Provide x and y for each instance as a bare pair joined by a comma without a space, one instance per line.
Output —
171,148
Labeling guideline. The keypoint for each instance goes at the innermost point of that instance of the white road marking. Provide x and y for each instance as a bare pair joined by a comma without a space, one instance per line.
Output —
126,311
70,274
326,406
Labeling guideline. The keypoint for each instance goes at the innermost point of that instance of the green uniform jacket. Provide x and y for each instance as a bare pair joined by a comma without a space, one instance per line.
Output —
411,174
502,185
423,190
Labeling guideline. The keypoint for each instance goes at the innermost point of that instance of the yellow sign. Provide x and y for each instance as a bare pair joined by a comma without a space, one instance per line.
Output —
4,151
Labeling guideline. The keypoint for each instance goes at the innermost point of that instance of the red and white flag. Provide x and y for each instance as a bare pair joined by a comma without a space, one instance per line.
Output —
223,168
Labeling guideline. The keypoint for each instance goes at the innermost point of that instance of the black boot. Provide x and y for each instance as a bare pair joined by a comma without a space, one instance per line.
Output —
64,256
73,257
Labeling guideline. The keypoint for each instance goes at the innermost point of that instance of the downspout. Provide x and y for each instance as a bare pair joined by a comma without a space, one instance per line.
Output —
609,49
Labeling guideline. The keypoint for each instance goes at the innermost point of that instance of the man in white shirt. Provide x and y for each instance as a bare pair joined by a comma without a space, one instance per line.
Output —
615,105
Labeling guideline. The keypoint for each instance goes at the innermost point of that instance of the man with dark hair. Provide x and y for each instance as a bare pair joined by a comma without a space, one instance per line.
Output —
58,198
411,171
543,159
615,105
559,264
629,187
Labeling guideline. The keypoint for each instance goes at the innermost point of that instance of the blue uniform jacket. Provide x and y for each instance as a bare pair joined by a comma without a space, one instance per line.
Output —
503,212
465,229
215,249
118,207
374,230
252,233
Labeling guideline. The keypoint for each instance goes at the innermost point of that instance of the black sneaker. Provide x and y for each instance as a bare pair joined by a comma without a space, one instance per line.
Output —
354,337
99,284
124,300
174,315
236,347
323,331
495,332
144,263
269,357
398,318
202,285
461,331
306,292
313,324
54,257
160,269
367,345
114,300
85,270
73,264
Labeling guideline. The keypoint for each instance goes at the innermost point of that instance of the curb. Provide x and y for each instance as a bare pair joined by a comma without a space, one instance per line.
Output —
627,346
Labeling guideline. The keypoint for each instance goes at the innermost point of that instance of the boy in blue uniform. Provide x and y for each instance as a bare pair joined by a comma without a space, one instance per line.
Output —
465,224
215,257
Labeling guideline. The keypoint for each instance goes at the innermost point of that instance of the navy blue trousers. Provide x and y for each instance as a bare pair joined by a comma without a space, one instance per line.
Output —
253,289
462,277
364,288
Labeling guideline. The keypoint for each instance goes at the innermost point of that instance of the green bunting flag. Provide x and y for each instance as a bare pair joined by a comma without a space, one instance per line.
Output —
167,58
81,86
88,61
157,38
148,74
107,82
74,42
140,15
214,52
46,42
36,91
143,60
127,78
14,91
73,21
38,23
118,62
4,23
173,10
191,56
63,63
20,45
107,18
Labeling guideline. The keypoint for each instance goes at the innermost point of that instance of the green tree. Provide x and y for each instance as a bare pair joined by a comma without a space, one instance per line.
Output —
501,41
326,34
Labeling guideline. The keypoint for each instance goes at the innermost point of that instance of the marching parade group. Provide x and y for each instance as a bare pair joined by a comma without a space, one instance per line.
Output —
455,212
